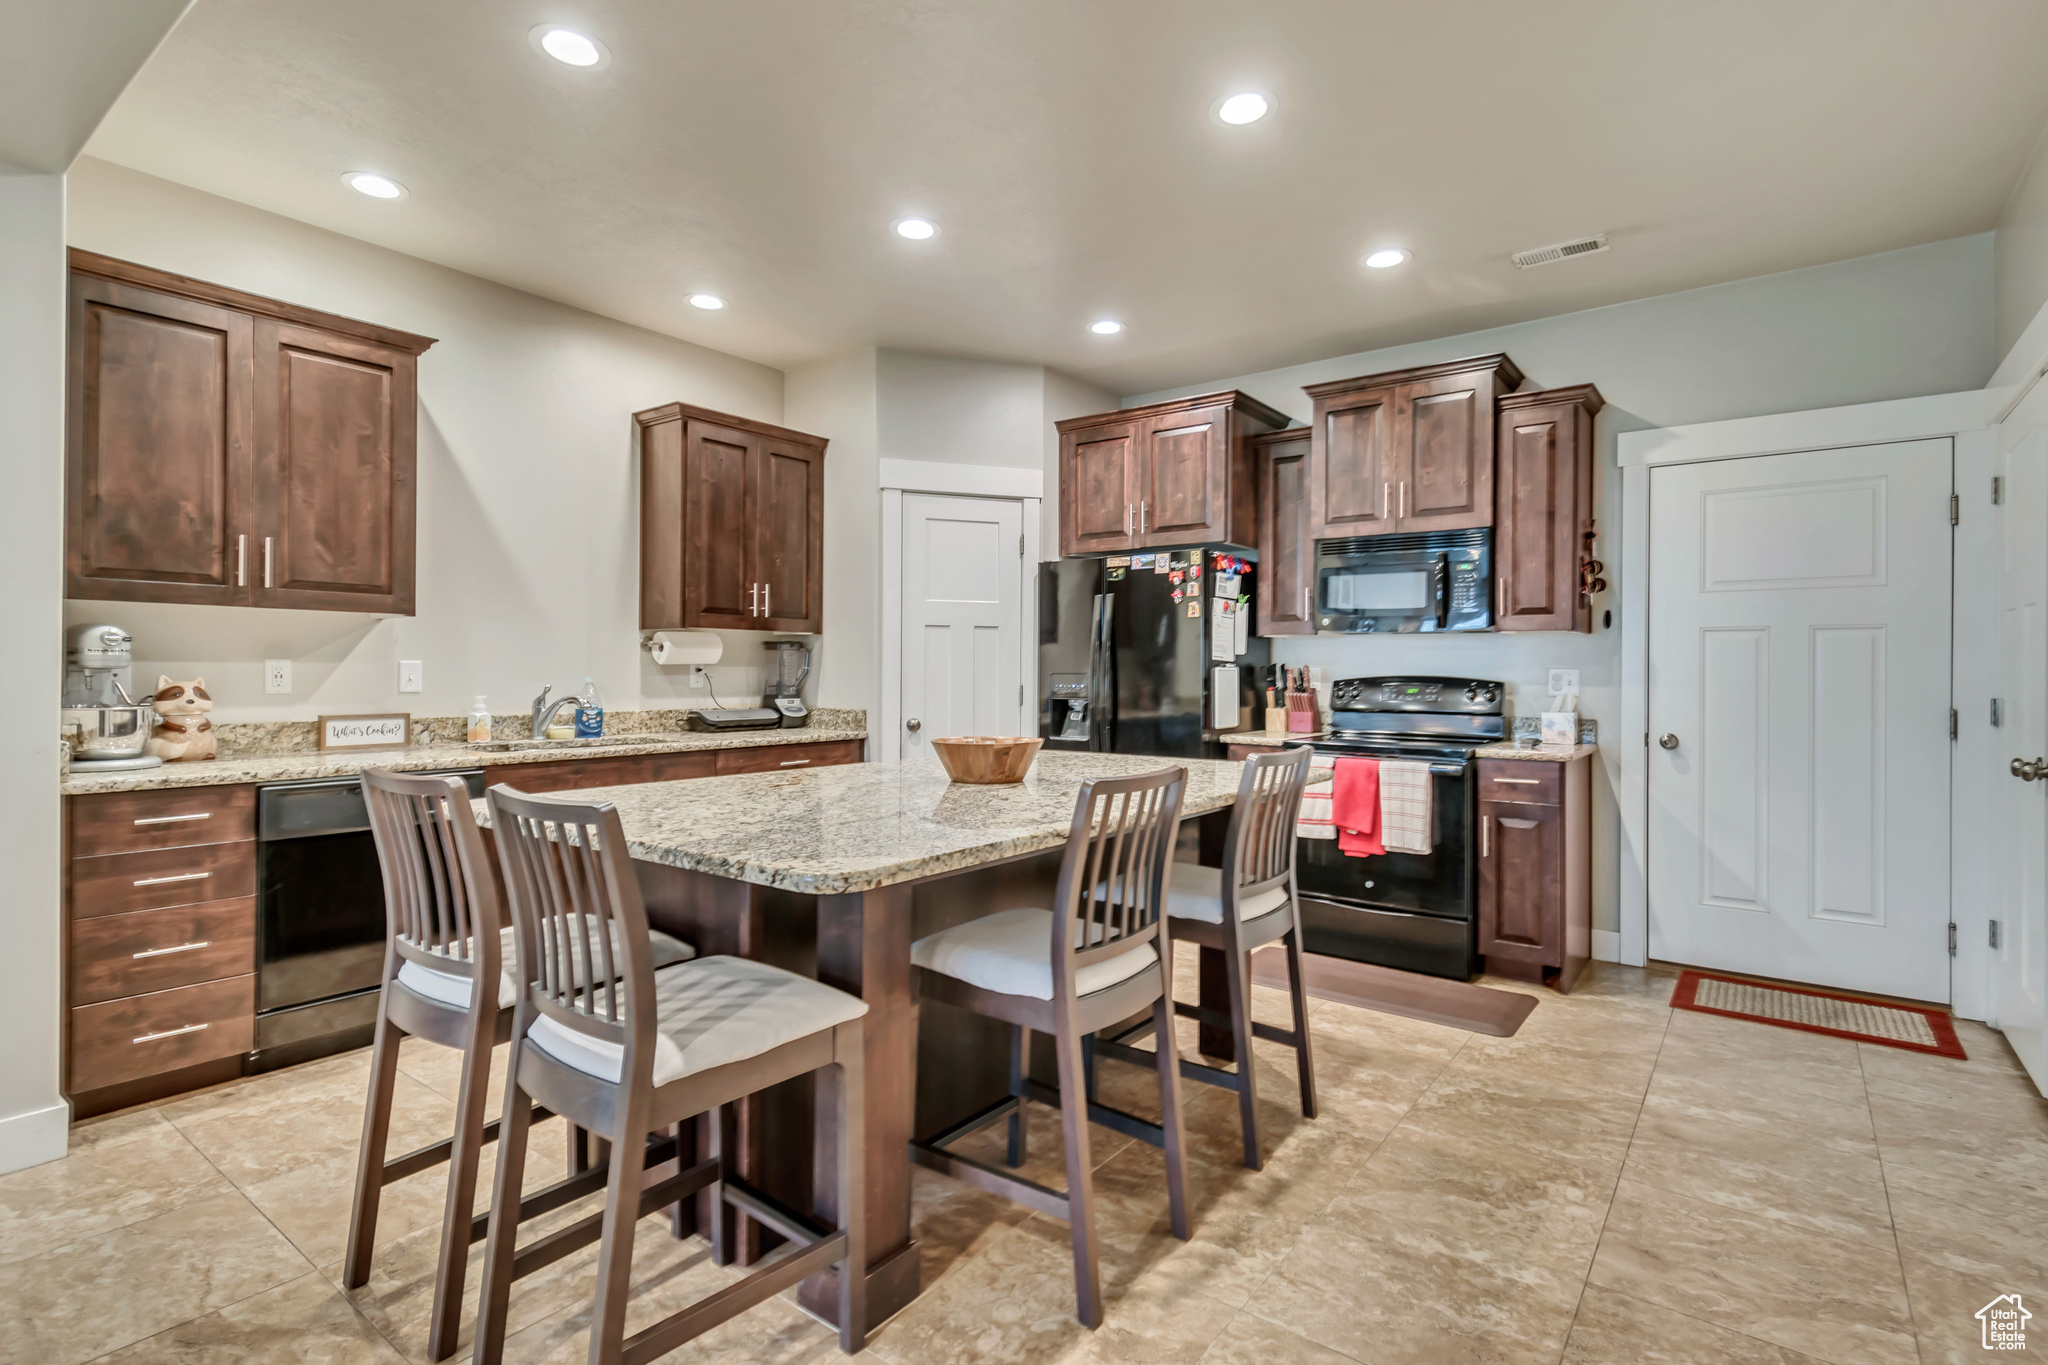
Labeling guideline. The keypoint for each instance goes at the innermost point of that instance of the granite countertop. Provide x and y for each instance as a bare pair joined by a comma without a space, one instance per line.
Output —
1267,737
306,764
827,831
1535,755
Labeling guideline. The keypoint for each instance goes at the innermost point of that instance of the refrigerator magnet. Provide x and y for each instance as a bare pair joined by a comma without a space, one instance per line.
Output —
1175,576
1141,561
1159,564
1194,606
1115,574
1176,594
1117,562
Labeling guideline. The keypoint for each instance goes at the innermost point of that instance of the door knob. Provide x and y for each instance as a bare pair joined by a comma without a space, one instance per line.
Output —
913,723
2030,772
1668,742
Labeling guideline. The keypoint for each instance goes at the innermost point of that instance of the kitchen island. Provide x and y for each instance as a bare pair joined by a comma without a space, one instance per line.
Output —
832,873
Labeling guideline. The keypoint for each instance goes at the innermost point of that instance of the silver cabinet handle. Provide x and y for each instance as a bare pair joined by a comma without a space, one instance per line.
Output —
171,819
1520,781
1383,499
1130,513
181,948
1485,824
241,561
767,599
171,1032
1668,742
793,762
181,877
913,724
1404,500
1306,612
269,562
1142,505
753,599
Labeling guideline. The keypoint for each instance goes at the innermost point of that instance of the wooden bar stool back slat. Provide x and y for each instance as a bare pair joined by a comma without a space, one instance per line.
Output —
1096,956
626,1051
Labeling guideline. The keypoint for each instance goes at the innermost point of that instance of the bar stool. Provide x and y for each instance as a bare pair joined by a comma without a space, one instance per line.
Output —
443,916
627,1051
1246,904
1093,959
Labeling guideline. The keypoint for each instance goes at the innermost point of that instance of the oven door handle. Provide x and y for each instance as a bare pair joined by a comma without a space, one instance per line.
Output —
1448,769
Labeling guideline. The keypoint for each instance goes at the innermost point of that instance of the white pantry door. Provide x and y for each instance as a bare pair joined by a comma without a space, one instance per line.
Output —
2019,964
1799,716
963,617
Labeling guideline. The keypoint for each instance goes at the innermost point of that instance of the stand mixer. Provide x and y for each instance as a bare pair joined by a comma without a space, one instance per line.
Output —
103,726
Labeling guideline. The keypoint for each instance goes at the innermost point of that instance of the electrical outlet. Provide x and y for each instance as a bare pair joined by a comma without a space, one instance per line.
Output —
408,675
277,676
697,676
1564,680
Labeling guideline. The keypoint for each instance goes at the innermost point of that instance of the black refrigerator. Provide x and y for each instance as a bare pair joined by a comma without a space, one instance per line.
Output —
1126,667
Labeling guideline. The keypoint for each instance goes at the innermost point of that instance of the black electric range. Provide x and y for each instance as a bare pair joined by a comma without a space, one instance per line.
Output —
1415,911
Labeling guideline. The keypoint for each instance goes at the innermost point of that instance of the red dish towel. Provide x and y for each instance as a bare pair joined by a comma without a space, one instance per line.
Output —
1355,807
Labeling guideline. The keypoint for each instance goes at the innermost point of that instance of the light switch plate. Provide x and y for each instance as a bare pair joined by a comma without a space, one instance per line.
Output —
277,676
408,675
1564,680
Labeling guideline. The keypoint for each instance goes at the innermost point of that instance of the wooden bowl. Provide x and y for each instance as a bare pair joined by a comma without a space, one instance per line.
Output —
986,760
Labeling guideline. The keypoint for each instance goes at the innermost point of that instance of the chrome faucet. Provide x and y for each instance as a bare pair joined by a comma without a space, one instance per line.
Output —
544,714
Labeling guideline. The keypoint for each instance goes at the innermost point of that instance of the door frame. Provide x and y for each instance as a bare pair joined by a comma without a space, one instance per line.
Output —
1006,483
1964,419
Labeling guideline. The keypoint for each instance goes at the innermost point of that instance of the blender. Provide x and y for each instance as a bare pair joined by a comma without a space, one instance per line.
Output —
102,725
786,680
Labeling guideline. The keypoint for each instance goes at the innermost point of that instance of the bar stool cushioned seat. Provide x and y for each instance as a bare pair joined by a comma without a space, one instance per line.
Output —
1011,952
449,989
1197,893
709,1013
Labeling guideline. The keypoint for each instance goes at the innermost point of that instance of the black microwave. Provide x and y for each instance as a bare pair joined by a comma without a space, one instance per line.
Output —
1402,584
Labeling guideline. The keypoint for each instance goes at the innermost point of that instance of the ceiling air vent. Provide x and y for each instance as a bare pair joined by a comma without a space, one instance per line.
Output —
1544,255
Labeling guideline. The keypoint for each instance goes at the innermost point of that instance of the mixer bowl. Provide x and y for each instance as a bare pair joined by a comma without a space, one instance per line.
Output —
96,732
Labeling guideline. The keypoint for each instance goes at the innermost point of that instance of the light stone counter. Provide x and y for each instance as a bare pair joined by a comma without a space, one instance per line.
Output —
830,831
1267,738
305,764
1535,755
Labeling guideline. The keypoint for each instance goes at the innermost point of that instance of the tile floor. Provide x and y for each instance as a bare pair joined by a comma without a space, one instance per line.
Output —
1620,1182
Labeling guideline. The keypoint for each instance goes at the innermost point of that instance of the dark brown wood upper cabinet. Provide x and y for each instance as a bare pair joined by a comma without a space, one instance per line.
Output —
1162,476
229,449
732,523
1287,548
1411,450
1544,509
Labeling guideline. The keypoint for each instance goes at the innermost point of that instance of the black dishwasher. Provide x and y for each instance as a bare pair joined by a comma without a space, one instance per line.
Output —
319,919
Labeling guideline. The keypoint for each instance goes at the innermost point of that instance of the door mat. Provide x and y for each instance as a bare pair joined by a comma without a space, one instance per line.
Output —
1476,1009
1839,1016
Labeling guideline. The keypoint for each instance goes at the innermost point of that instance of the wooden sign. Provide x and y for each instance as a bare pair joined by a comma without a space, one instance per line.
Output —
393,731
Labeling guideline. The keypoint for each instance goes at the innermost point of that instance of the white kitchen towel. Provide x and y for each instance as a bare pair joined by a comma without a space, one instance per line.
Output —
1314,822
1406,825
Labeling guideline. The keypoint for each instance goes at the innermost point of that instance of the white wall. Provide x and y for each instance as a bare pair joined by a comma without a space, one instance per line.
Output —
528,539
953,410
33,1116
836,399
1901,324
2022,250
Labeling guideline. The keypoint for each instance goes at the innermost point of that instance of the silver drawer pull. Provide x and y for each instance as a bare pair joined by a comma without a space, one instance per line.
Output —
181,877
172,819
171,1032
793,762
1521,781
181,948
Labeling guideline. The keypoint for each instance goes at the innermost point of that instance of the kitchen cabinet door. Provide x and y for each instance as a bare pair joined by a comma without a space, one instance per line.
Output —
1287,549
1544,509
334,480
789,521
718,549
1099,489
1183,483
1443,471
159,433
1354,464
1521,883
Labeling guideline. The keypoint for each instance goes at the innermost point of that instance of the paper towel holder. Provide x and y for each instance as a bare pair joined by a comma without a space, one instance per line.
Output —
677,648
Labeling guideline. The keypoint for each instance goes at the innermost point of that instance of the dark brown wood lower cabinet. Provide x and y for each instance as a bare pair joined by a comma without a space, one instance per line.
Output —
142,1035
1535,893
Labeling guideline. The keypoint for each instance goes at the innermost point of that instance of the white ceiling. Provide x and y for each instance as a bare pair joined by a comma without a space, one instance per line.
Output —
761,150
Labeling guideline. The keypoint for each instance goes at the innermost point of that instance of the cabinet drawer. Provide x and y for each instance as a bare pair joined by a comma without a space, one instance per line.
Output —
144,1035
1531,781
130,822
770,758
119,882
154,950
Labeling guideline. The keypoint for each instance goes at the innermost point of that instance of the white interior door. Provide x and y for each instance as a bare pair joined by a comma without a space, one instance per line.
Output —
2019,964
963,603
1799,716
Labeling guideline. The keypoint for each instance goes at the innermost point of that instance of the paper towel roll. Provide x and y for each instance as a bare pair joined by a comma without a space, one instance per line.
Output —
673,648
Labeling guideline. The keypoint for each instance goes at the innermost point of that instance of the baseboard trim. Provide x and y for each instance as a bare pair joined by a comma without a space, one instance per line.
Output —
32,1138
1606,945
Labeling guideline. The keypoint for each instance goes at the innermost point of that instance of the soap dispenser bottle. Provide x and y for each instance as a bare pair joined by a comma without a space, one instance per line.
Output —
589,712
479,722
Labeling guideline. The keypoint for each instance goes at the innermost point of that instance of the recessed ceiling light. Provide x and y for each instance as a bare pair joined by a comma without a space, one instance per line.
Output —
1105,328
374,185
1383,260
916,229
711,301
568,47
1246,107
